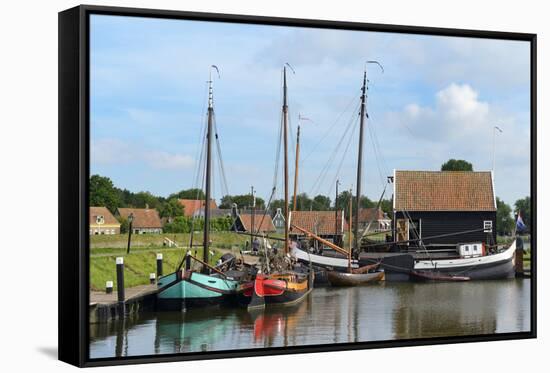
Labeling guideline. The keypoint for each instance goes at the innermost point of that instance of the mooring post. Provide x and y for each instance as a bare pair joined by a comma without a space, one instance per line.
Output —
159,264
109,287
188,261
120,278
152,277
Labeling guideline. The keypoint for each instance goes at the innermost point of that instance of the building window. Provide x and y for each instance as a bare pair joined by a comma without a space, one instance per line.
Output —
415,229
100,219
488,226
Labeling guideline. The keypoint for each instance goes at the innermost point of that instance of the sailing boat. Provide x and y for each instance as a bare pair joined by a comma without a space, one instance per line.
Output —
353,277
186,287
291,283
344,264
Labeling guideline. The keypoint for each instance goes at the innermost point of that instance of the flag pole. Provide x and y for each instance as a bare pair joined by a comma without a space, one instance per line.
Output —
495,129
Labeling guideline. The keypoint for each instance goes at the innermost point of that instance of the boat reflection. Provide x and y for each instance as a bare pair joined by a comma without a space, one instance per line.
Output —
328,315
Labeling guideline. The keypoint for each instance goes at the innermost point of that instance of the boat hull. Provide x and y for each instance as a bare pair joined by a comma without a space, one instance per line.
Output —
489,267
182,290
274,290
353,279
398,266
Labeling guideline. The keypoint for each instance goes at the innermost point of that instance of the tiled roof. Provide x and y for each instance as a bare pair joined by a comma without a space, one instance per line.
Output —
214,212
367,214
266,222
443,191
318,222
143,218
108,218
191,205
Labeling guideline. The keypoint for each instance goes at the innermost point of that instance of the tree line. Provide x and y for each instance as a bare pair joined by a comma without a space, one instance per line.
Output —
103,192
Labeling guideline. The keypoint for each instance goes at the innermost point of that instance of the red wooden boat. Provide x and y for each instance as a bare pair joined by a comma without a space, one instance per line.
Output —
275,289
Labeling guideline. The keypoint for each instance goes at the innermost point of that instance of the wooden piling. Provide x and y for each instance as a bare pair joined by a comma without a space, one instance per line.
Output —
159,264
120,278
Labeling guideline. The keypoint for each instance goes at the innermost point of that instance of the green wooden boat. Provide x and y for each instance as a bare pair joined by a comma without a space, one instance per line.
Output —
186,289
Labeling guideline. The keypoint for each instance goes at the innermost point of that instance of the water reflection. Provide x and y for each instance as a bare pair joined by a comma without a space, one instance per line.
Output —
329,315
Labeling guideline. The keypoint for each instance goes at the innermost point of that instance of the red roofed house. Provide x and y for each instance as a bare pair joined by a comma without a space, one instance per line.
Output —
378,219
325,224
444,208
144,220
195,207
262,223
102,221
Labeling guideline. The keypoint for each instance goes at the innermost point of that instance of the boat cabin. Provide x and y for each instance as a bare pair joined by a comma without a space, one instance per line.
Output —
444,210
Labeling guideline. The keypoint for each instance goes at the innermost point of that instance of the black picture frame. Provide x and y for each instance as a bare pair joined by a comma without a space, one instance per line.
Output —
74,165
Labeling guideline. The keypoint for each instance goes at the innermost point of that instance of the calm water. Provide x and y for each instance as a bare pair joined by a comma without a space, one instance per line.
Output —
380,312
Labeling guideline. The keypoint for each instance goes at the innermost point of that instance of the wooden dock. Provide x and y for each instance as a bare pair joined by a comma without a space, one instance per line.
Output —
105,307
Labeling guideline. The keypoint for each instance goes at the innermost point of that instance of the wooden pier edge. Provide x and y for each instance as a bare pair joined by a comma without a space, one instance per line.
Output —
103,312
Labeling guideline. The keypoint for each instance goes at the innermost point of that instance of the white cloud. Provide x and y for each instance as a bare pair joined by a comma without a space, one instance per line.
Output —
456,114
163,160
107,151
110,151
460,125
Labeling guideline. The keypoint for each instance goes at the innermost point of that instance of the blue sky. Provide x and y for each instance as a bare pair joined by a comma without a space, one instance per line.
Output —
438,98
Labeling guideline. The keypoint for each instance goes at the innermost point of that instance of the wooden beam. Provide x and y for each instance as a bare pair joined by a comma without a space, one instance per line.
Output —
322,240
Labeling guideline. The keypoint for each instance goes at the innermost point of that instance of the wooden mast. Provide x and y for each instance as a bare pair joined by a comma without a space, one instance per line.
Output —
252,213
350,217
296,168
206,239
285,140
360,160
336,214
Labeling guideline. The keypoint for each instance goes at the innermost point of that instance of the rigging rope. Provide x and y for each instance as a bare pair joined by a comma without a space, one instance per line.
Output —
326,168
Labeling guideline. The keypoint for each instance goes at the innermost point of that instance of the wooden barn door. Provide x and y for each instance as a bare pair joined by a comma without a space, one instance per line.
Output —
402,230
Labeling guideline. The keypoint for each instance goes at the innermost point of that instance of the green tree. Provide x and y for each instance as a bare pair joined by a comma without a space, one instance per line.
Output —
193,193
366,202
457,165
387,206
103,193
124,224
303,202
146,199
321,203
524,206
505,221
275,204
171,208
181,224
242,201
343,202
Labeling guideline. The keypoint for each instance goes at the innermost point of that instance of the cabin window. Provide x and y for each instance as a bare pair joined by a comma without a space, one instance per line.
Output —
100,219
488,226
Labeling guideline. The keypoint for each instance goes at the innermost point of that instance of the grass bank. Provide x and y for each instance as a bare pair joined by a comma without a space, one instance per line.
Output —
104,249
224,240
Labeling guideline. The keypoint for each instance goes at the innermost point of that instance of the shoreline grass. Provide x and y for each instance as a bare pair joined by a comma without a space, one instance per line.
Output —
104,249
